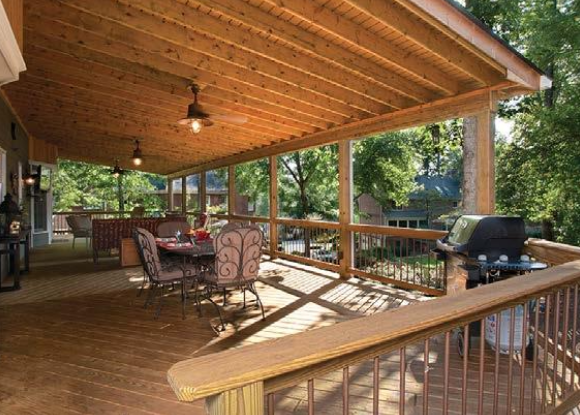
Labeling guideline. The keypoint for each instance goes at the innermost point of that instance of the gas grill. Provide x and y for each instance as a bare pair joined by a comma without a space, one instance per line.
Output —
481,249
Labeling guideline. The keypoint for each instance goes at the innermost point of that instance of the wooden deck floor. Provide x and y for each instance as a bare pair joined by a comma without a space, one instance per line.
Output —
76,339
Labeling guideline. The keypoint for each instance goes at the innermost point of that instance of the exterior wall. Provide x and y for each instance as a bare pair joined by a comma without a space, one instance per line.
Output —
370,209
14,141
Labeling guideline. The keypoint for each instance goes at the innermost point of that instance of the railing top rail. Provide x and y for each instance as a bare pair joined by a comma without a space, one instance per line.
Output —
553,252
210,375
395,231
250,218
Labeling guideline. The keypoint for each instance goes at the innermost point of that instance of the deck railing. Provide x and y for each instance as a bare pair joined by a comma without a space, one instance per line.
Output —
397,256
60,226
523,357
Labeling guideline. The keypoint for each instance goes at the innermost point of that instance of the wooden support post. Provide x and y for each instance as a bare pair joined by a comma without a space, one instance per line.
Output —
479,161
202,193
170,195
232,190
345,205
184,195
247,400
273,206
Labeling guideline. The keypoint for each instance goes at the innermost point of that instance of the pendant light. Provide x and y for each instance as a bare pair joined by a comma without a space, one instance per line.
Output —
137,155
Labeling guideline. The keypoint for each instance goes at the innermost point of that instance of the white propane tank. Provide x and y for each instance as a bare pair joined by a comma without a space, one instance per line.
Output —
504,338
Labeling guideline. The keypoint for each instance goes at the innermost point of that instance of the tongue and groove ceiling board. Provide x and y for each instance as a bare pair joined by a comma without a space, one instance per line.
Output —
102,74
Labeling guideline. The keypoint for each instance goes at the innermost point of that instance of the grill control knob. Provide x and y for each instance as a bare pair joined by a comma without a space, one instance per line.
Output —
525,258
482,258
503,258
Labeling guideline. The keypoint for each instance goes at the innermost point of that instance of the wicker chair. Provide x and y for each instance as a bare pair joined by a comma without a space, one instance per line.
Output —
161,275
237,261
81,227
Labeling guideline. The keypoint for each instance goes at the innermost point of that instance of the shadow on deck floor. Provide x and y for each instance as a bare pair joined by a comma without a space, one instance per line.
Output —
76,338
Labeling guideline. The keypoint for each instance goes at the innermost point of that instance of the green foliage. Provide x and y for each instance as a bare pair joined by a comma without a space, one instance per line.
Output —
384,167
253,181
538,172
308,183
93,186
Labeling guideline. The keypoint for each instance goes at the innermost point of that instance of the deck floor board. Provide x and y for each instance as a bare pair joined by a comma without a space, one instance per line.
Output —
76,339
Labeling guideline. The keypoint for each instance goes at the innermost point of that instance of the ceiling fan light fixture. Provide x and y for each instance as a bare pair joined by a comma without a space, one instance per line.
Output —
137,155
196,117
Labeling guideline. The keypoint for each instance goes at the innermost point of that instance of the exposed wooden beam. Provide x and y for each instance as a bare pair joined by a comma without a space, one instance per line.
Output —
250,134
124,42
52,62
237,93
444,109
464,30
297,37
226,41
351,33
390,13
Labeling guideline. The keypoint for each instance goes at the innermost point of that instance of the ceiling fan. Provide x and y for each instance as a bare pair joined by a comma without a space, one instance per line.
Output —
197,117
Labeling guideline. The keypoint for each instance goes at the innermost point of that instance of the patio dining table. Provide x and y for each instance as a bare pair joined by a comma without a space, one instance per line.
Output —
198,253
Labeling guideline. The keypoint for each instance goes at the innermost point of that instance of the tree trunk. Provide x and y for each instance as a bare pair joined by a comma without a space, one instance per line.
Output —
548,229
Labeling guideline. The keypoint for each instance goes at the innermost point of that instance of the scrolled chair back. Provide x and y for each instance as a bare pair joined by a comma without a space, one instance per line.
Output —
238,252
148,254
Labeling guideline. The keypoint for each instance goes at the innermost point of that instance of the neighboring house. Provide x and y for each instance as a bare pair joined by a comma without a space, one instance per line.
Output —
436,196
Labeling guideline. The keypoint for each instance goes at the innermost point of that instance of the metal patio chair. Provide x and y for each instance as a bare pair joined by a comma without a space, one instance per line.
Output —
237,262
160,275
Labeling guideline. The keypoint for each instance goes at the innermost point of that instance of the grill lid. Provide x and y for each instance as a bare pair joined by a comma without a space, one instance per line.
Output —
490,235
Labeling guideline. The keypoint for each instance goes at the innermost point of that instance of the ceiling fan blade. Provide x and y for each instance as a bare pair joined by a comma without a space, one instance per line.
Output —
230,118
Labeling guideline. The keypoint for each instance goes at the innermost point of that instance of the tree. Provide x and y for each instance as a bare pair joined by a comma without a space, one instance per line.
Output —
538,172
93,186
385,167
308,183
253,181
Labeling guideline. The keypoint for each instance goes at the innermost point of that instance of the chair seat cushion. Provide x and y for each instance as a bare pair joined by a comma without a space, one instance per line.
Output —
175,272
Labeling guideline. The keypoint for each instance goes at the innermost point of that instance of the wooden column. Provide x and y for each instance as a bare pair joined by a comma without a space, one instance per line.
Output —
479,161
232,190
184,195
247,400
345,205
170,194
273,206
202,193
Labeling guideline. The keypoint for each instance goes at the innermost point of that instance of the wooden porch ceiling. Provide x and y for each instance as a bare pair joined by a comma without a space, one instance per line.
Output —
102,74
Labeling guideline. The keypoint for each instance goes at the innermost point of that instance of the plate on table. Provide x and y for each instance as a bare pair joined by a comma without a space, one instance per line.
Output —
165,240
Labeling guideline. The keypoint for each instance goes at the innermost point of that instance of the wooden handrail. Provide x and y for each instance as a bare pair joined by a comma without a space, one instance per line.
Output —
552,252
394,231
249,218
210,375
